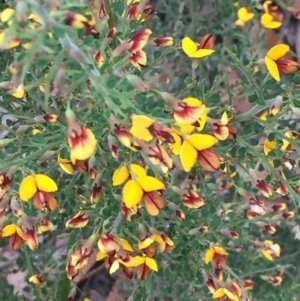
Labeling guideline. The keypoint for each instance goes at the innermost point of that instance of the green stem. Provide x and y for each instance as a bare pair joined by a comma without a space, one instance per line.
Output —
28,261
6,165
265,270
252,112
108,10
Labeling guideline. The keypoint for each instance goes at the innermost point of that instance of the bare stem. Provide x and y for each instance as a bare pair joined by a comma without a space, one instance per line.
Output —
108,10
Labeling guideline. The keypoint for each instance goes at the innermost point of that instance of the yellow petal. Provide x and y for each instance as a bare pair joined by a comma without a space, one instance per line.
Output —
35,18
120,175
278,51
114,267
202,53
143,244
273,25
219,293
192,101
100,256
267,255
220,251
126,245
132,193
272,68
138,170
185,128
244,14
230,295
189,46
45,183
265,19
9,230
188,156
139,260
151,263
149,183
28,188
20,232
269,146
7,14
203,118
201,141
176,146
142,121
141,133
67,168
209,255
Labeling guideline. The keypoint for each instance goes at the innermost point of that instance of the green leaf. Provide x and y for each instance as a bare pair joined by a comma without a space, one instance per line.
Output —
58,32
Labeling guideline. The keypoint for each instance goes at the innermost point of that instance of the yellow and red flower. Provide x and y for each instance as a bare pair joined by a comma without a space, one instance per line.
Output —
123,134
220,128
157,155
190,198
30,233
272,17
44,225
216,255
162,42
231,292
276,62
194,148
198,50
270,250
145,129
39,187
189,111
138,56
139,186
80,220
96,189
244,14
80,21
69,165
133,13
145,264
38,280
5,182
82,141
16,236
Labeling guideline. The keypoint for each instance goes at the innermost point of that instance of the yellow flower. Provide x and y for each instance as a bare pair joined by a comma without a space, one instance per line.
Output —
82,142
191,150
16,234
276,62
198,50
80,220
136,189
7,15
18,92
140,127
212,252
224,292
38,280
66,165
244,15
145,264
270,250
7,42
39,187
268,21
